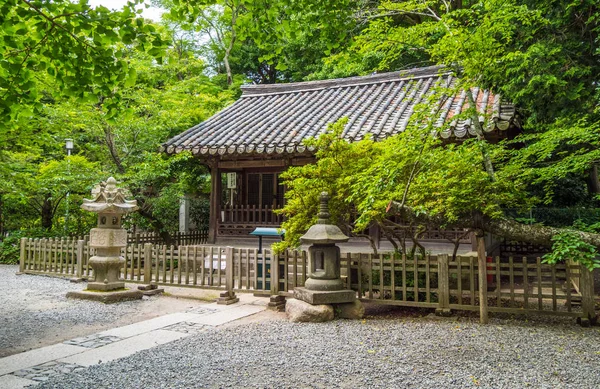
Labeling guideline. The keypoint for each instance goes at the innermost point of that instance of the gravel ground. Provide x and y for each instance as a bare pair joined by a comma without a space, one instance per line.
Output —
392,349
34,311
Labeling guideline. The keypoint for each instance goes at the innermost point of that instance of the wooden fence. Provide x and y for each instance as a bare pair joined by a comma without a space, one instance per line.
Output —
243,219
177,238
517,285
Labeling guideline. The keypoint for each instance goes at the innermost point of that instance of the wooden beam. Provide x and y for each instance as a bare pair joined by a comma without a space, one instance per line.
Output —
251,164
254,163
215,203
482,270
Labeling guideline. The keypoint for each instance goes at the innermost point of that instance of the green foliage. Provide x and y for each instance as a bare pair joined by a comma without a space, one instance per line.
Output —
409,277
9,249
433,183
569,245
82,49
267,42
163,100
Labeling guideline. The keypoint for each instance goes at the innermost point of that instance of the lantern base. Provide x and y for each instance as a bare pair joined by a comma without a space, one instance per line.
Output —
318,297
324,285
107,297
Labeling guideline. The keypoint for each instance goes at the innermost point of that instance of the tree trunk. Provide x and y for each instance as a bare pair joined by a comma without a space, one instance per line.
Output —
1,218
47,213
228,68
509,229
533,233
110,143
158,226
593,181
487,161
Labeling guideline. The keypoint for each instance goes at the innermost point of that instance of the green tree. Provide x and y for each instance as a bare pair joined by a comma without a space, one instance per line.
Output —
82,48
543,56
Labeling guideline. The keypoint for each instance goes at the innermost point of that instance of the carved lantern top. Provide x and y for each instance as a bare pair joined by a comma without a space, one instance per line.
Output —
323,232
107,198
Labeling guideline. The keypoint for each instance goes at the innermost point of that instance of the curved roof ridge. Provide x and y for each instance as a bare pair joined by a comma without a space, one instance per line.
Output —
409,74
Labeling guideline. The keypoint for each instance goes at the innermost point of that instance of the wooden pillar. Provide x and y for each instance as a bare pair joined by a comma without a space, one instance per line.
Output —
215,202
22,255
443,286
482,266
80,250
148,263
586,288
228,297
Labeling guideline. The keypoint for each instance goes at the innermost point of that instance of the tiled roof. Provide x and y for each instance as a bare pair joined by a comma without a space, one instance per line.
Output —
277,118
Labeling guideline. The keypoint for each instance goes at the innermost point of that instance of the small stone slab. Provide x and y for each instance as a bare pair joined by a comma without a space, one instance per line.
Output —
227,299
107,297
301,311
317,297
152,292
47,370
276,303
186,327
202,311
93,341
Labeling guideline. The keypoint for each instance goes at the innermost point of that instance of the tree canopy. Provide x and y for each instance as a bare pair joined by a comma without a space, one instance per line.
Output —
120,85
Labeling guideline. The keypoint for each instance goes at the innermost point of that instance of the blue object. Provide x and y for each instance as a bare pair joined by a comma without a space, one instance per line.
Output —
266,231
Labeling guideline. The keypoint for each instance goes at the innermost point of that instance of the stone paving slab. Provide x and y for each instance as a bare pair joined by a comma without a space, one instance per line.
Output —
148,325
226,316
46,370
120,342
186,327
10,381
202,310
124,348
93,341
37,357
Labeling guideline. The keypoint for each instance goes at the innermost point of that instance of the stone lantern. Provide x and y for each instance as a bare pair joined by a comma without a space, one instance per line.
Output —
324,285
109,202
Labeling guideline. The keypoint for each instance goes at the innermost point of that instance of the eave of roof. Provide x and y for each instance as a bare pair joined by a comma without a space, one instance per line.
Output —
275,119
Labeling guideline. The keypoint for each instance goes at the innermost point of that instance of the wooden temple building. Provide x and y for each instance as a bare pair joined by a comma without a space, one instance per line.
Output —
262,134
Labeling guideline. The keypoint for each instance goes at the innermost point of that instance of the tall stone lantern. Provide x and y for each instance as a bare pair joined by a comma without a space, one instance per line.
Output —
324,285
108,201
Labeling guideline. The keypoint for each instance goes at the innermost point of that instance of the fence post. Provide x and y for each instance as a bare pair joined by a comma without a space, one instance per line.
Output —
147,263
276,302
586,288
228,297
22,255
443,286
482,270
80,244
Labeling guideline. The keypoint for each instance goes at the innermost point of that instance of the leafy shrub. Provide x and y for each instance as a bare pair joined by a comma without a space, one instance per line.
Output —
9,249
569,245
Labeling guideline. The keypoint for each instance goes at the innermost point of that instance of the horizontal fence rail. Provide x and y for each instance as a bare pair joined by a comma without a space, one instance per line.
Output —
515,285
177,238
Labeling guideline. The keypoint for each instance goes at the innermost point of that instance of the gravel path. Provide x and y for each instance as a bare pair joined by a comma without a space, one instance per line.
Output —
34,311
392,351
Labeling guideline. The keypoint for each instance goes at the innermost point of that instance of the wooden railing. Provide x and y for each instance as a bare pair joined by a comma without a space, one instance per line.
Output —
177,238
516,285
242,219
